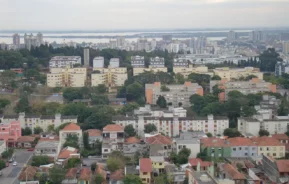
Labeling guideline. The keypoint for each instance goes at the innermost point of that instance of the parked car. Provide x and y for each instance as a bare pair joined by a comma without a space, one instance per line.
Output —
30,149
11,160
14,163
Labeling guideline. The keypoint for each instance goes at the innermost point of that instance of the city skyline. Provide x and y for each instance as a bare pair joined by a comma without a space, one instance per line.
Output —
153,14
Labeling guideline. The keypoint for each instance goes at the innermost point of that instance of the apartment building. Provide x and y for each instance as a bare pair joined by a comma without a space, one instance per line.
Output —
281,68
269,146
145,170
137,71
114,62
181,62
175,94
70,129
187,140
111,77
9,132
98,62
232,73
64,61
33,121
67,77
253,86
157,62
137,62
186,71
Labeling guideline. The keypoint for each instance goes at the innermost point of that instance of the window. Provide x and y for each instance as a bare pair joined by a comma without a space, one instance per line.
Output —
274,154
105,150
145,173
234,149
246,154
240,148
268,148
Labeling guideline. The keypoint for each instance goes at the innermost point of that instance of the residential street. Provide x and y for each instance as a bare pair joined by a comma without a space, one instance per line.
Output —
10,174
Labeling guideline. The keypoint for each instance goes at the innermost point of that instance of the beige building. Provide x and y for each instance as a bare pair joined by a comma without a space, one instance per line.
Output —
67,77
137,71
111,77
68,130
186,71
232,73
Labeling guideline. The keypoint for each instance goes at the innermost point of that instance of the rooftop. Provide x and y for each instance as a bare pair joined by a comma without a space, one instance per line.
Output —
132,140
213,142
266,141
28,173
280,136
85,174
117,175
113,128
94,132
195,161
233,172
158,139
240,141
203,177
66,152
145,165
26,139
71,173
71,127
283,165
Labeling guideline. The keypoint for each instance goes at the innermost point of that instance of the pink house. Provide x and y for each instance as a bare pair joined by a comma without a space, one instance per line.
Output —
10,132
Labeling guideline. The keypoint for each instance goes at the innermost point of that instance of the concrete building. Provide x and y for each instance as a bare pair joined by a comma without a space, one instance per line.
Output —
3,146
67,77
145,170
186,71
86,57
114,63
269,146
49,148
159,145
94,136
120,41
16,40
68,130
33,41
10,131
167,38
111,77
176,94
137,62
281,68
253,86
230,73
64,61
242,147
137,71
286,47
189,141
257,36
232,36
98,62
157,62
181,62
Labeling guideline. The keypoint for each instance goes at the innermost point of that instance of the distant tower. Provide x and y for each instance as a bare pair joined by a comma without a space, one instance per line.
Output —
16,40
86,57
39,38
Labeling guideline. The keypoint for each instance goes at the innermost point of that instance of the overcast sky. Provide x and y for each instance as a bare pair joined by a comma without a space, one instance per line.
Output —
141,14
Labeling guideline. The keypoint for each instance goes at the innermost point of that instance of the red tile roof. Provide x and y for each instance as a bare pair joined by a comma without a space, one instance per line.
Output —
240,141
266,141
159,139
117,175
26,139
194,162
213,142
100,170
145,165
65,152
132,140
28,173
280,136
94,132
113,128
71,126
71,173
54,138
85,174
233,172
283,165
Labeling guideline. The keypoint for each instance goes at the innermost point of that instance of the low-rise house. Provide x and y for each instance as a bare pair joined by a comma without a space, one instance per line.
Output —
276,170
131,169
10,131
282,138
175,174
269,146
133,145
242,147
85,176
199,165
215,148
117,101
159,145
66,153
28,174
94,135
55,98
100,170
3,146
25,142
145,170
70,177
227,171
158,163
189,141
117,177
203,177
113,139
70,129
50,148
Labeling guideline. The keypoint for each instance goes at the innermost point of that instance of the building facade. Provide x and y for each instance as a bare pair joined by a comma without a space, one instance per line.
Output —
86,57
64,61
157,62
98,62
176,94
10,131
137,71
111,77
16,40
231,73
186,71
114,63
137,62
281,68
70,129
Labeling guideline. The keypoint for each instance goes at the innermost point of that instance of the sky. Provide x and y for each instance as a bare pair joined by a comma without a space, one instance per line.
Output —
141,14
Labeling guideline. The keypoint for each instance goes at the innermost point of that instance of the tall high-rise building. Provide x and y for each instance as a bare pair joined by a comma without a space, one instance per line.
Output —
16,40
120,41
33,41
257,36
232,36
39,38
167,38
286,47
86,57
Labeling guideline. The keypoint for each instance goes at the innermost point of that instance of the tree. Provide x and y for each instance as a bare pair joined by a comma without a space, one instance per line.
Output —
98,179
209,134
99,100
26,131
37,130
148,128
93,167
216,77
132,179
129,107
135,90
73,162
86,140
22,105
129,131
40,160
183,156
56,175
232,132
186,180
179,78
114,164
217,90
161,102
263,133
164,88
71,94
161,179
101,88
71,141
234,94
2,164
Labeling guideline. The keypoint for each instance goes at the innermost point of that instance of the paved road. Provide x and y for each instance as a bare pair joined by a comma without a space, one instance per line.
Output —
11,173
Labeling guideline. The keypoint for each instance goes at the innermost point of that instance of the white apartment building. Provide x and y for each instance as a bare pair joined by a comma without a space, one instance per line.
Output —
181,62
33,121
137,61
186,71
111,77
64,61
114,63
231,73
98,62
157,62
67,77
